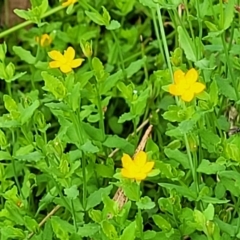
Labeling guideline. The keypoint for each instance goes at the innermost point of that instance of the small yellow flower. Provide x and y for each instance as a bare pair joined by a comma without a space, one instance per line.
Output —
68,2
137,168
44,41
66,61
186,85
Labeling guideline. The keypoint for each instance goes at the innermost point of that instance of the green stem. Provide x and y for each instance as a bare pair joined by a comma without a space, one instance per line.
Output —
160,44
164,40
230,67
120,54
84,182
144,64
74,216
26,23
77,125
193,170
100,111
16,178
189,21
200,27
9,89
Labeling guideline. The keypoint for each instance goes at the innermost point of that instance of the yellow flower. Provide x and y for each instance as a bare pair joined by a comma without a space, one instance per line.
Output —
137,168
68,2
66,61
186,85
45,40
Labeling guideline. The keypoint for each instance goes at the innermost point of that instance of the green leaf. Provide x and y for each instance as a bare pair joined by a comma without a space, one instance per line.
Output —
5,155
129,232
209,212
213,92
96,17
231,181
9,232
187,44
30,157
145,203
3,51
135,67
161,222
126,117
104,171
24,150
209,168
98,70
109,230
54,85
113,25
72,192
200,219
106,16
88,147
110,82
148,3
209,139
24,55
211,26
226,89
61,228
75,97
131,190
88,230
228,14
28,112
183,190
95,198
117,142
178,157
31,224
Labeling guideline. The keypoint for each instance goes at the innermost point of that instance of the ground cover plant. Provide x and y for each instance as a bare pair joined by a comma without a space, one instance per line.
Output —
119,120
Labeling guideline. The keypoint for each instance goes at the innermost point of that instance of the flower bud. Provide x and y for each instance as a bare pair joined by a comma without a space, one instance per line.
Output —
39,119
3,140
86,48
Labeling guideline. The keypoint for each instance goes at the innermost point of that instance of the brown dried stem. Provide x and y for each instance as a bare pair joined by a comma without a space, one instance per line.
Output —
119,196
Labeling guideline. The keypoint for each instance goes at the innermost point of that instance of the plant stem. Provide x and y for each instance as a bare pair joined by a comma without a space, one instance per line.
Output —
100,111
120,54
28,22
74,215
164,40
193,170
160,44
78,128
230,67
200,27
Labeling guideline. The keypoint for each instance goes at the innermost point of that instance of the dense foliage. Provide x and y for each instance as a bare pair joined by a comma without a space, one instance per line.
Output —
119,120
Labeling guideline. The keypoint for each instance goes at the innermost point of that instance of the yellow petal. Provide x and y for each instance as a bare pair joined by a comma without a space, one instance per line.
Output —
140,176
69,54
173,89
126,161
197,87
140,159
187,96
179,75
125,173
65,68
54,64
191,76
67,3
56,55
148,167
77,62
